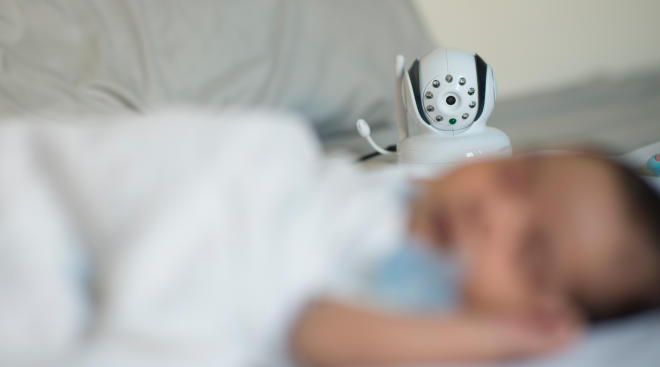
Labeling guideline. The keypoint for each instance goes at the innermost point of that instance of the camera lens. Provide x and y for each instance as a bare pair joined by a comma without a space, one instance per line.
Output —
451,100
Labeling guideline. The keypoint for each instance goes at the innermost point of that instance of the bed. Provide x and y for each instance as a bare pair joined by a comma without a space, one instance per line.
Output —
64,57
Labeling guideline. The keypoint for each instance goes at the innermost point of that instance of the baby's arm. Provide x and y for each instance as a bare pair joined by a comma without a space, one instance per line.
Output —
333,334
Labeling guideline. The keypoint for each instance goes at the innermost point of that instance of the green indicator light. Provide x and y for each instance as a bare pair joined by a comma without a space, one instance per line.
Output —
452,121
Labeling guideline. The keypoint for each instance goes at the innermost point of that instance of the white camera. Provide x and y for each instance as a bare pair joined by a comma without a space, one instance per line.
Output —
443,103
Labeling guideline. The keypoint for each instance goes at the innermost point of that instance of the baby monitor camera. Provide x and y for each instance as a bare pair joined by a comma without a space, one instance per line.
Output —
443,102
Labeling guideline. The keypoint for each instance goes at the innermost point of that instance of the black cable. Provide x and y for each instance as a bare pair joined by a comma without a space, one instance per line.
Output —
390,148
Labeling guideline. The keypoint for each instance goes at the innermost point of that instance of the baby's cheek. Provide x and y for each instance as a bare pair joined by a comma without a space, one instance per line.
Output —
480,291
492,290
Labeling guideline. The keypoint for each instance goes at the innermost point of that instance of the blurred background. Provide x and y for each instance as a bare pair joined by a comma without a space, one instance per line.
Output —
548,44
568,72
583,72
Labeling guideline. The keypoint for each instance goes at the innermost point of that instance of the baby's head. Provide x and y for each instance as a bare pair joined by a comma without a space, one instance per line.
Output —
572,235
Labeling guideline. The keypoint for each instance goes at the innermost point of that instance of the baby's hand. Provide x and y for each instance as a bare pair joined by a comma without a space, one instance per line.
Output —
489,338
334,334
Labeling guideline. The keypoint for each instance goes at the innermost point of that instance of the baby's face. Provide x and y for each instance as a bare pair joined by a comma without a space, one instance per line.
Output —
534,233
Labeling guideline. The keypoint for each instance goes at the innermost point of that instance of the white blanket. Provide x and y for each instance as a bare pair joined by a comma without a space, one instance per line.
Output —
204,234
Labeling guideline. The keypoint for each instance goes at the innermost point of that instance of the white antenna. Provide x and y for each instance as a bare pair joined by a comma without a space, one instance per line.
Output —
365,131
399,71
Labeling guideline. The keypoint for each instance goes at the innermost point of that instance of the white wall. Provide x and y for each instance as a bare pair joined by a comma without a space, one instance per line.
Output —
545,44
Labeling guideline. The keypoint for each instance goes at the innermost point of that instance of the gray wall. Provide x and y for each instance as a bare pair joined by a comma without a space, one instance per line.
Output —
545,44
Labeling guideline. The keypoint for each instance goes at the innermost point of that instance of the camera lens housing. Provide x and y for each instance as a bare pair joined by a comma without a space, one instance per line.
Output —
451,100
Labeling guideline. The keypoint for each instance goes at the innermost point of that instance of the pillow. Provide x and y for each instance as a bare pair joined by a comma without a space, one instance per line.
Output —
332,61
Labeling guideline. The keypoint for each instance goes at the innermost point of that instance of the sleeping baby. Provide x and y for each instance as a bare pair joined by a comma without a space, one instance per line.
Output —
196,238
546,244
